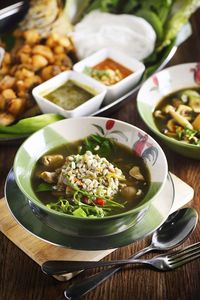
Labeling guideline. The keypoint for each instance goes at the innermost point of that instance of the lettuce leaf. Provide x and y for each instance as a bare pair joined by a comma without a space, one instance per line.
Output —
180,14
160,7
111,6
28,126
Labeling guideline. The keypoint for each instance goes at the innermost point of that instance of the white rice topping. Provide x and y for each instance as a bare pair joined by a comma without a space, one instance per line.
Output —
94,174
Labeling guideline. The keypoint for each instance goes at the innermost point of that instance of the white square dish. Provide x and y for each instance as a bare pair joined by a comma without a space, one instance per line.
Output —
84,109
123,86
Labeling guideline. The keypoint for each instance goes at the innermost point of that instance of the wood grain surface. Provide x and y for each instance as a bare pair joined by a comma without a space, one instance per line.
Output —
22,279
41,251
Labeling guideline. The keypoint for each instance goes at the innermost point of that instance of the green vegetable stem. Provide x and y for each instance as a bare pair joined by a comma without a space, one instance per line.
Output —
28,126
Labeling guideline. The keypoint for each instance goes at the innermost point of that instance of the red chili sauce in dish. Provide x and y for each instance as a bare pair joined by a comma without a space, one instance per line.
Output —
108,71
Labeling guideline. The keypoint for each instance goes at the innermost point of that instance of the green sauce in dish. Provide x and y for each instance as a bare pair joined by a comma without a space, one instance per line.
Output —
69,95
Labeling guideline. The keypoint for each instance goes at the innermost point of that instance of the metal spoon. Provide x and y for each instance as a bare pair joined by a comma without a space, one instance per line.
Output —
170,234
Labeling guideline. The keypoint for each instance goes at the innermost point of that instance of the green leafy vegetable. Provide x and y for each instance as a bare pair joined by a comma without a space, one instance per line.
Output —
154,20
80,209
79,212
154,61
61,206
166,16
181,12
28,125
111,6
44,187
98,144
130,6
189,135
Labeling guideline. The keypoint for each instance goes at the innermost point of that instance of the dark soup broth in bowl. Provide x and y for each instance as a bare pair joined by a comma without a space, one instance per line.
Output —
178,115
91,178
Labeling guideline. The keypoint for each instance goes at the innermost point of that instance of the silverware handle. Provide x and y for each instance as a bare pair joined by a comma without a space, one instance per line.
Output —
78,290
59,267
63,267
87,285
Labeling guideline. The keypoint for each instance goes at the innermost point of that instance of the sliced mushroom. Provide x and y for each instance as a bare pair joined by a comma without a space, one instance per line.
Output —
129,192
171,134
194,103
176,102
52,160
135,173
185,111
171,125
169,109
158,114
190,93
49,177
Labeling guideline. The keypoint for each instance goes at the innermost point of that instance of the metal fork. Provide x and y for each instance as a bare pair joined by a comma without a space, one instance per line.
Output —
167,262
164,262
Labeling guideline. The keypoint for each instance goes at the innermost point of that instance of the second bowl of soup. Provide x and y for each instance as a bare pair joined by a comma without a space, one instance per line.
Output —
90,176
169,103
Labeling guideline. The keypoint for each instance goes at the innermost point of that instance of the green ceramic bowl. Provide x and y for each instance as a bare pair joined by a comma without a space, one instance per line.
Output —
155,88
69,130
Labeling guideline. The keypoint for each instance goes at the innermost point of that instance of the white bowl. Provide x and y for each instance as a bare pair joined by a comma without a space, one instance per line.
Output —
116,90
84,109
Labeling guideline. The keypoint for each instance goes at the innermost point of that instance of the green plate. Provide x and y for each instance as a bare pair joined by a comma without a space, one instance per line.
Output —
155,216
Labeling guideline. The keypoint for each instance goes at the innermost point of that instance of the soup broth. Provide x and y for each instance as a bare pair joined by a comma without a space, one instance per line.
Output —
69,95
128,186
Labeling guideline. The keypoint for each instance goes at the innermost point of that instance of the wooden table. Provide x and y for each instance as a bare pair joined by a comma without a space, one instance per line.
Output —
22,279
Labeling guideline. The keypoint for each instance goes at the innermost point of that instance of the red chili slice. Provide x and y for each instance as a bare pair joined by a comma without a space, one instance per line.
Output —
100,201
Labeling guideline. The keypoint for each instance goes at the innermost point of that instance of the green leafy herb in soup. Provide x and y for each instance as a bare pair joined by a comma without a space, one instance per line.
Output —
178,115
94,177
69,95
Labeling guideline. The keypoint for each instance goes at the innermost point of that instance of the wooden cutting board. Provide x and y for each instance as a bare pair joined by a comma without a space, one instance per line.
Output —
40,251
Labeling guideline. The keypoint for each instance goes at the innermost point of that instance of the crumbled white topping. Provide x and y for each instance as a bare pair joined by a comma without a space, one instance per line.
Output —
93,173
